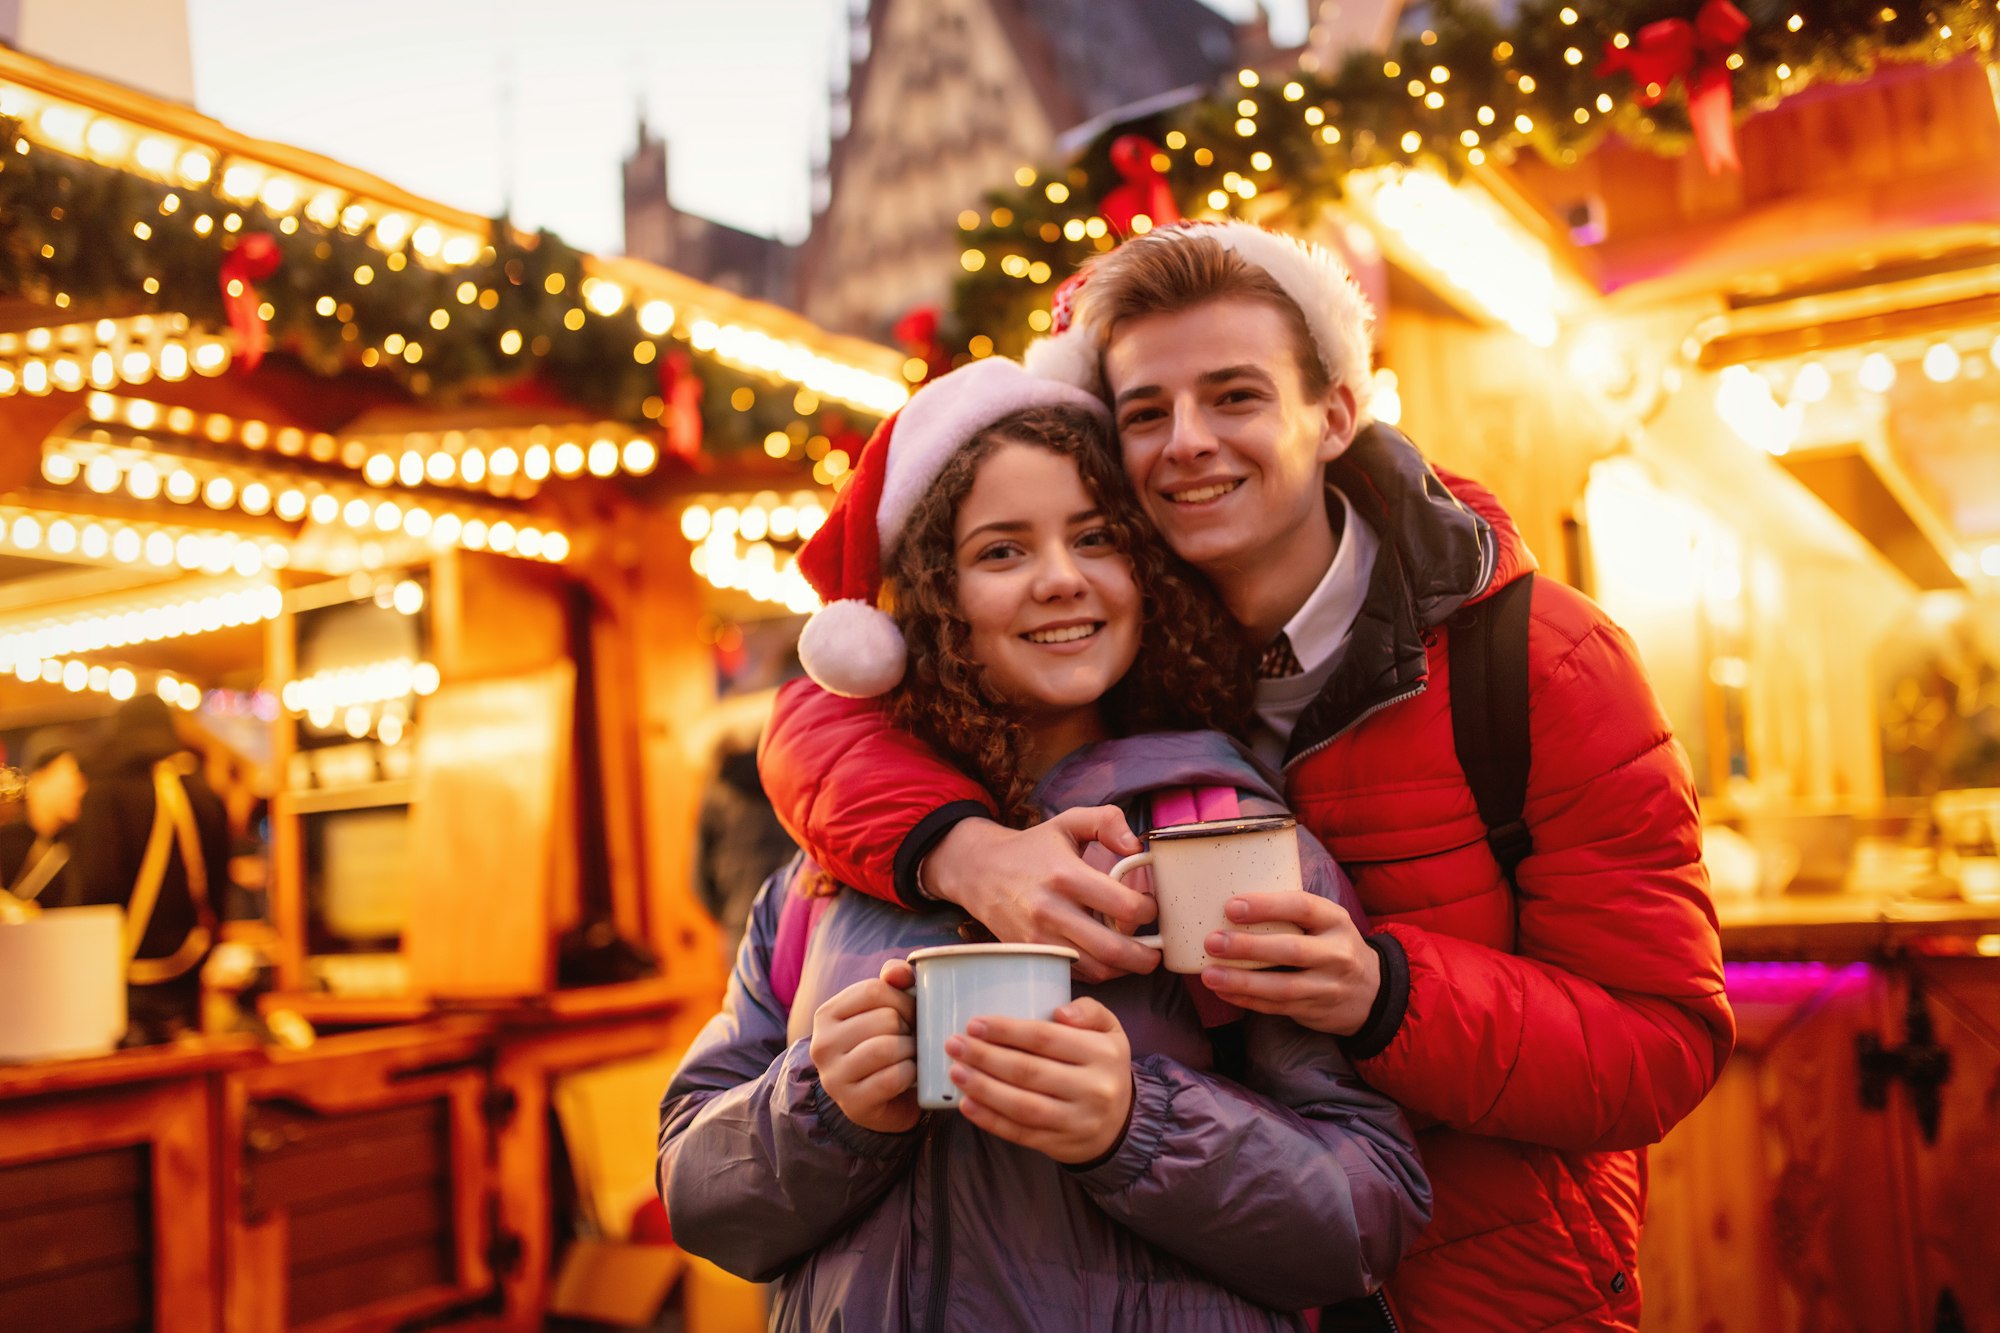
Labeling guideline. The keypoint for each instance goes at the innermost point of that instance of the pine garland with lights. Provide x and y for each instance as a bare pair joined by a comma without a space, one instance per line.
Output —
1465,90
88,240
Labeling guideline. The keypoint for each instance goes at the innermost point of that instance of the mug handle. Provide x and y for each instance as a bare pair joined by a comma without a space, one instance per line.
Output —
1124,868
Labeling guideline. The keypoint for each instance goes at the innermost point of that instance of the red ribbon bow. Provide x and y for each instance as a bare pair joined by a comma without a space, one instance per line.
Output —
1145,190
680,392
251,260
1697,53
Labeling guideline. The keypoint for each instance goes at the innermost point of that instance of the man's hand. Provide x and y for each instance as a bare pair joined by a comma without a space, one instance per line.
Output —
1031,886
1062,1088
1338,974
864,1048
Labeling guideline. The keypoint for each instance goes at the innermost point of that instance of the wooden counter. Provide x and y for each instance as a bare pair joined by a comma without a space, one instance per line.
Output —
1849,927
382,1175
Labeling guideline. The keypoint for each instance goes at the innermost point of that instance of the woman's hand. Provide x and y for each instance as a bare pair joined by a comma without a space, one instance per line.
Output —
1063,1088
1032,886
863,1045
1338,974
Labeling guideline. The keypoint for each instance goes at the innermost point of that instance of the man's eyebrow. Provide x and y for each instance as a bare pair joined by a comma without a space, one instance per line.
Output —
1208,377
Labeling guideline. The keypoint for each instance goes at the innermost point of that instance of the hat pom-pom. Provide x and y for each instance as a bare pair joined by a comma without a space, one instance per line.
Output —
851,648
1069,357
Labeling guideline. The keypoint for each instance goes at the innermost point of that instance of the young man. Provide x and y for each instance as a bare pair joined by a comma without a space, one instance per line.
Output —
1538,1036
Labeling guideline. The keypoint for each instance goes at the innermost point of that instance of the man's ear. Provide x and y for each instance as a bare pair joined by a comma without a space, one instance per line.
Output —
1339,423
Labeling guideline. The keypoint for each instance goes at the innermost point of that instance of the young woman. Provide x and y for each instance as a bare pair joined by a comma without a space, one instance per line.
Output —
1103,1173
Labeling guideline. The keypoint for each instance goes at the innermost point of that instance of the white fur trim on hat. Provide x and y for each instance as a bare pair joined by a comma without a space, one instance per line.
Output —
1069,357
853,649
942,418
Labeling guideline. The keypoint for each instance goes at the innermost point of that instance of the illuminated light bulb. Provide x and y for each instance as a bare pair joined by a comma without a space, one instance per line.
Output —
694,522
1878,373
603,298
388,516
656,318
472,467
62,536
122,684
410,469
75,675
256,498
380,469
218,493
35,377
211,358
505,462
417,523
356,721
528,542
324,508
424,679
154,155
473,537
68,372
190,551
125,545
408,597
555,547
173,362
500,536
1812,383
59,469
427,240
535,462
640,456
190,696
460,250
1941,363
246,558
440,467
159,549
169,689
96,542
26,533
446,530
355,514
98,679
603,458
784,522
390,729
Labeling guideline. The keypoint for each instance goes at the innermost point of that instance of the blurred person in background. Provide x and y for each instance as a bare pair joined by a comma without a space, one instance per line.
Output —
153,837
740,842
35,853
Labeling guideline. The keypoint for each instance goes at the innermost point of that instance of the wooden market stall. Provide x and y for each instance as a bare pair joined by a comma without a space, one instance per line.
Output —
379,497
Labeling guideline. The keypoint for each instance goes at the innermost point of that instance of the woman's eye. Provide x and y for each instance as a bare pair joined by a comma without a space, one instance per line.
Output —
1098,539
998,552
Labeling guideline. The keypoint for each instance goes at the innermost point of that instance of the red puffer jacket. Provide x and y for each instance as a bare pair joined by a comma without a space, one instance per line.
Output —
1538,1039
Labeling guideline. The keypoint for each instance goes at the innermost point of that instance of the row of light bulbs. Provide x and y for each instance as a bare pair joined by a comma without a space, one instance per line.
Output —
140,622
756,351
103,466
163,546
106,353
320,696
756,517
1942,362
76,677
183,163
757,568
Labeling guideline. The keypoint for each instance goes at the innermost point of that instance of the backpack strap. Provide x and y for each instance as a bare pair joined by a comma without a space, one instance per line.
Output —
1489,715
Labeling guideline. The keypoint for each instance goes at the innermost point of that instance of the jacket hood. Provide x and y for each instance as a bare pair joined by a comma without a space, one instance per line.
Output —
1110,771
139,735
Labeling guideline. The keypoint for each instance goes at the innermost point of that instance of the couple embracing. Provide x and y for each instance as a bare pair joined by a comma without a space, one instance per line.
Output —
1175,553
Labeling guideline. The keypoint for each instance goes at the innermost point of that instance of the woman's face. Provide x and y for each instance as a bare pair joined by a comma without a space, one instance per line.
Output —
1049,596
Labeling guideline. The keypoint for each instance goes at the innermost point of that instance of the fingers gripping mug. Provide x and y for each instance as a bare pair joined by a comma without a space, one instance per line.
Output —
957,983
1198,868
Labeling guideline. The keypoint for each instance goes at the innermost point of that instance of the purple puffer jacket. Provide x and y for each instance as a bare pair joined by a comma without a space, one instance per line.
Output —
1227,1206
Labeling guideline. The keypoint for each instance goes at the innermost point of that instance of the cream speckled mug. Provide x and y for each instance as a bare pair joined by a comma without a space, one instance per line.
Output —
1198,868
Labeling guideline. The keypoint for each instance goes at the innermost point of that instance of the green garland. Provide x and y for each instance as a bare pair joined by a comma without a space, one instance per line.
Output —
82,236
1373,112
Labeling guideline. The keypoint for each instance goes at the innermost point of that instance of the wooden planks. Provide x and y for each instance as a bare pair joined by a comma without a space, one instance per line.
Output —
76,1242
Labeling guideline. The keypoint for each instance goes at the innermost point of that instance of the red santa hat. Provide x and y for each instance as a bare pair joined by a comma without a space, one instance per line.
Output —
1314,277
851,646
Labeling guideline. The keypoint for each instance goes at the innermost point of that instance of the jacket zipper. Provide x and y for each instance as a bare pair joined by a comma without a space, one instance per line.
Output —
1358,719
1388,1315
940,1227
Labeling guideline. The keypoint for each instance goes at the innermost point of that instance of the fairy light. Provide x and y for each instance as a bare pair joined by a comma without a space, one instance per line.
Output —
123,625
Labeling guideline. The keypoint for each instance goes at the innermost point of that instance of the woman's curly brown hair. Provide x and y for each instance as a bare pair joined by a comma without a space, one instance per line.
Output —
1192,669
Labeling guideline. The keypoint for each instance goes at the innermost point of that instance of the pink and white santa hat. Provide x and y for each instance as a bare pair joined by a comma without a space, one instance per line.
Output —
851,646
1314,277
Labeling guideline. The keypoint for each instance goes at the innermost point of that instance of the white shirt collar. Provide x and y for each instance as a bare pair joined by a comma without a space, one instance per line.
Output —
1320,627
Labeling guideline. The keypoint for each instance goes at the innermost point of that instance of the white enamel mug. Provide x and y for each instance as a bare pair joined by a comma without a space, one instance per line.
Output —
957,983
62,984
1198,868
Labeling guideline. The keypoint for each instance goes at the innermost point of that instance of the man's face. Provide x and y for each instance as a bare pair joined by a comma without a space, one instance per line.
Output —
1223,445
55,792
